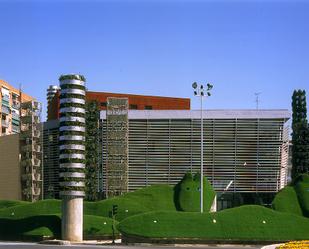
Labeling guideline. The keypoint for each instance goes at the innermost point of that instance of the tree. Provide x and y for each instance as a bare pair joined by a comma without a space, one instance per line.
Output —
300,135
92,132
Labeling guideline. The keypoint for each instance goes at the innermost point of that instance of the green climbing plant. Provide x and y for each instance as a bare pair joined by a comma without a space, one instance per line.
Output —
92,132
300,135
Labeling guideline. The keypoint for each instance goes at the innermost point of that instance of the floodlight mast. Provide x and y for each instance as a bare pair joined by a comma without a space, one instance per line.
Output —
199,92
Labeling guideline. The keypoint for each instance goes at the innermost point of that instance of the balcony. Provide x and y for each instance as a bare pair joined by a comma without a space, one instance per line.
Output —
36,162
36,191
15,122
36,119
36,105
26,119
6,97
15,128
31,162
5,123
31,148
26,134
16,105
36,134
36,177
15,116
5,109
26,105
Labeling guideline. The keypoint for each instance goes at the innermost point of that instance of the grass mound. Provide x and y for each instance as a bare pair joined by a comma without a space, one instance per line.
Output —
302,189
11,203
143,200
286,201
241,223
294,198
24,220
36,227
31,227
148,199
43,207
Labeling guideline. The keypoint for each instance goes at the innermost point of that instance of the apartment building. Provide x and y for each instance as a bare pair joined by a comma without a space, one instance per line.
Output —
20,145
10,99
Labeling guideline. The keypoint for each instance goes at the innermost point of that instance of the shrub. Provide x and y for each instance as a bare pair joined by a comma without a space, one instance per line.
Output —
248,223
187,194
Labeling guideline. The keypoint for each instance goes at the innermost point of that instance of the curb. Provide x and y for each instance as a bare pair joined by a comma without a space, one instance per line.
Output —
55,242
271,246
85,242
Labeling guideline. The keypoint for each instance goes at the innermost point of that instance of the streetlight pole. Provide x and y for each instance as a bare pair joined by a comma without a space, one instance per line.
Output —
199,91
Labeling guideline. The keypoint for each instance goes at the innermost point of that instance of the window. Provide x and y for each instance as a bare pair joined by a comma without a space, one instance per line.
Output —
50,138
148,107
133,107
103,104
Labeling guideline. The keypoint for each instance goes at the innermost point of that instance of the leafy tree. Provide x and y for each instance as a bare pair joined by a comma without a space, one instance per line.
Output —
300,135
92,132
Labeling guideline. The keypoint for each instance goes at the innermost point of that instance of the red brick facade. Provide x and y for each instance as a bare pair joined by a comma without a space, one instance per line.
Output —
138,102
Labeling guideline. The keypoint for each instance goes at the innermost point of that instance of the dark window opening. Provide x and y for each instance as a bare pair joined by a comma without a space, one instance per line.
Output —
103,104
148,107
133,107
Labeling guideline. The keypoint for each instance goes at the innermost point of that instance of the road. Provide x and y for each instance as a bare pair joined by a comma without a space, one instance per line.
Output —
12,245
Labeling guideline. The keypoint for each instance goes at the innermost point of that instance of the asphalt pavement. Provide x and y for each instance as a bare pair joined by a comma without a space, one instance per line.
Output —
16,245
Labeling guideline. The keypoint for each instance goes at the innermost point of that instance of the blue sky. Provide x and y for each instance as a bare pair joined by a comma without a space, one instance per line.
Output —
160,47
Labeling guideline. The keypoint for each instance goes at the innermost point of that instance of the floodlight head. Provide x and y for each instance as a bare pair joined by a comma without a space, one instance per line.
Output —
202,87
209,86
194,85
202,93
208,94
195,93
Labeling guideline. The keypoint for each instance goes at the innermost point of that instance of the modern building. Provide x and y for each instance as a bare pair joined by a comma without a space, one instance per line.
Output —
51,92
136,102
10,99
245,149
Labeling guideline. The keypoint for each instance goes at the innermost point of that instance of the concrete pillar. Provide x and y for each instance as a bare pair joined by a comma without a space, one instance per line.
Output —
72,155
213,207
72,219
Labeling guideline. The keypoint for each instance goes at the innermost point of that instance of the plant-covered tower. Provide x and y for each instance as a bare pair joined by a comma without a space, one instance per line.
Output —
300,139
72,154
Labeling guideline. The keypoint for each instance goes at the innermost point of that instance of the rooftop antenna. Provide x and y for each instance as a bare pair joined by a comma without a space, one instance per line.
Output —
20,86
257,100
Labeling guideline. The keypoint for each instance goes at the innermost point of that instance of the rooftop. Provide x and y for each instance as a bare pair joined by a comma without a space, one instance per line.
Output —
207,114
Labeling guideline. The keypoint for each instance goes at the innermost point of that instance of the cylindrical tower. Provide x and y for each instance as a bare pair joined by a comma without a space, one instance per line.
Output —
51,91
72,154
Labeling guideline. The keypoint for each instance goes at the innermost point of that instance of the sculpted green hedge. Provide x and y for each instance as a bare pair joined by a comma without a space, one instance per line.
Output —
294,198
248,223
187,194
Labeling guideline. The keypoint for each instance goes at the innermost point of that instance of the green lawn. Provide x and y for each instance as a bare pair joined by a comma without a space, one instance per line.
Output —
154,212
242,223
22,220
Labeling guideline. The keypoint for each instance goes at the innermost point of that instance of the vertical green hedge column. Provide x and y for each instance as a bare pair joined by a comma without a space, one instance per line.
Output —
72,155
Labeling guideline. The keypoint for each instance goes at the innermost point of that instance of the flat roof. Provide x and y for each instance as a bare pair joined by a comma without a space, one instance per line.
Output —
207,114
